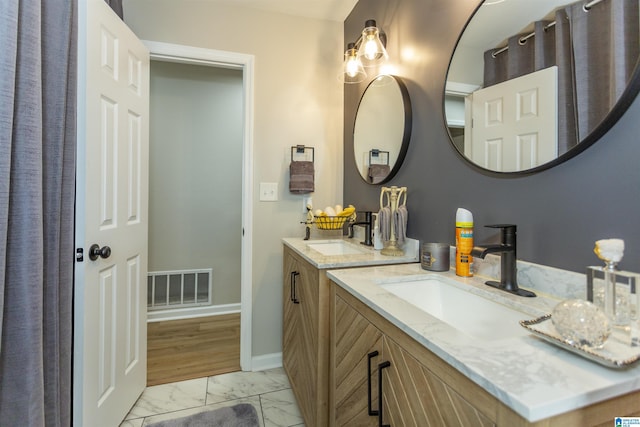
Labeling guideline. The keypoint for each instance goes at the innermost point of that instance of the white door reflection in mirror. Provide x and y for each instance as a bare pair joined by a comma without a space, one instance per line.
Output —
514,125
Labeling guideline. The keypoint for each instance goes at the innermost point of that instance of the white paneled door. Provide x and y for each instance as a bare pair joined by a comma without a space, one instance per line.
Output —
514,125
111,218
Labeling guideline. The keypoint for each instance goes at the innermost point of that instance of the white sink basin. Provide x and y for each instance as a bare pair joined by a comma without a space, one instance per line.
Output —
337,247
469,313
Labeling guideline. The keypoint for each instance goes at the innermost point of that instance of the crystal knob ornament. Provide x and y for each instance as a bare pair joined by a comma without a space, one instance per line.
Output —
581,323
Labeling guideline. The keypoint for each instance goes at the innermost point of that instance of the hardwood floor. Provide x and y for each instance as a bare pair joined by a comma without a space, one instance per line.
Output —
192,348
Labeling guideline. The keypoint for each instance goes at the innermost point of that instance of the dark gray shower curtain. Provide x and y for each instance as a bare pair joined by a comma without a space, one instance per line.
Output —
596,52
37,182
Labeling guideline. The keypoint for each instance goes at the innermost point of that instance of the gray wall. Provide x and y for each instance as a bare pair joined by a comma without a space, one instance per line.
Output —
195,173
560,212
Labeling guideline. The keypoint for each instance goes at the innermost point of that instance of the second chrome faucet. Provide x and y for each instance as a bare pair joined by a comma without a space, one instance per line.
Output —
508,269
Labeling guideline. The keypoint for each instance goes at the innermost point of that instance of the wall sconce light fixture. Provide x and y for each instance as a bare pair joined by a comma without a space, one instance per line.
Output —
368,51
353,71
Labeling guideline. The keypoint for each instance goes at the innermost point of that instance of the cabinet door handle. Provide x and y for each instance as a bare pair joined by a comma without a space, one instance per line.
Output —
380,405
372,412
292,280
294,297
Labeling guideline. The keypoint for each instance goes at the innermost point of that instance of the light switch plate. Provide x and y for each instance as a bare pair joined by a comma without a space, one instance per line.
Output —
268,191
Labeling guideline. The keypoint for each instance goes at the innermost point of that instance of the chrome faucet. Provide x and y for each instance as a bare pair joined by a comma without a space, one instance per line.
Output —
368,228
507,250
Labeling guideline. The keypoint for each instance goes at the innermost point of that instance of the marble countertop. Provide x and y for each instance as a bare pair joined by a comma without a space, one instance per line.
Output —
369,256
534,378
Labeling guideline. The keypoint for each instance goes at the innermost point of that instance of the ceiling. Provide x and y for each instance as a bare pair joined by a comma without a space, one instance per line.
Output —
489,28
333,10
495,21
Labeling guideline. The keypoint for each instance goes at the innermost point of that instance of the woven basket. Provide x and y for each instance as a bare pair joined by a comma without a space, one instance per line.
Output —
330,222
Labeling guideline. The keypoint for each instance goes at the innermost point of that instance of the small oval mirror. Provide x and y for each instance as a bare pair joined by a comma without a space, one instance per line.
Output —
382,129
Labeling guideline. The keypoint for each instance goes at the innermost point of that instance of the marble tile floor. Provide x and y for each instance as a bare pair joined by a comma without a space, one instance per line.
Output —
268,391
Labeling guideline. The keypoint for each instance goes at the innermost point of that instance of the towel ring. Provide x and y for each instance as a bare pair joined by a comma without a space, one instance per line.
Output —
378,154
301,149
403,192
382,194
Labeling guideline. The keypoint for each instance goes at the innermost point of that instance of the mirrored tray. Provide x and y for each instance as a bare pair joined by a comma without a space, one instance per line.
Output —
614,354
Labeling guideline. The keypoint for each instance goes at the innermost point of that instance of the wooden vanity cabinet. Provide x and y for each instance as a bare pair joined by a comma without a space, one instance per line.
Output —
305,341
412,394
356,351
418,388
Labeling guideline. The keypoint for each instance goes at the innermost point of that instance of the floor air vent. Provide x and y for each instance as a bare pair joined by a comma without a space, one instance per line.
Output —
180,288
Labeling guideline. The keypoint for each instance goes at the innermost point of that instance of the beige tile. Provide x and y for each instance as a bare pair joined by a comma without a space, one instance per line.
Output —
280,409
159,399
132,423
242,384
268,391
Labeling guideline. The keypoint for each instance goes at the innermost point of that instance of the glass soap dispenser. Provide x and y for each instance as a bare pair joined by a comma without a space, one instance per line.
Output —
615,291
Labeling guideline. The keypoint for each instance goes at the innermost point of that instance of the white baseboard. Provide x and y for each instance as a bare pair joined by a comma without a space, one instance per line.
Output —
191,312
266,361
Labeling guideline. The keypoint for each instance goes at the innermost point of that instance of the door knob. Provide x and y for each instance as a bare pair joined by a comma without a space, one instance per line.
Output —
96,251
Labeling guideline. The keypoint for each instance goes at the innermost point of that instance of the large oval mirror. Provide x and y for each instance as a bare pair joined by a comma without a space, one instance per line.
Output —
533,83
382,129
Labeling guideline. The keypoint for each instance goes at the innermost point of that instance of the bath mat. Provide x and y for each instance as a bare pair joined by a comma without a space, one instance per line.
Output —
241,415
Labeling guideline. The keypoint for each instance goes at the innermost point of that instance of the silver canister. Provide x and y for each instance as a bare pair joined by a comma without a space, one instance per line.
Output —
435,256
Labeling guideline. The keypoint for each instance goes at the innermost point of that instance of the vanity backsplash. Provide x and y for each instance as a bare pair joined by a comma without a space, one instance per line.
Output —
561,284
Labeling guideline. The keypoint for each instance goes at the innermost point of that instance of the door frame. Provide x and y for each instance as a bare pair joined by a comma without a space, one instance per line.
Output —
160,51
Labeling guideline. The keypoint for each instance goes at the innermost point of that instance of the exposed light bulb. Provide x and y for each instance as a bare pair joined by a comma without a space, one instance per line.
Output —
372,51
352,71
371,47
351,68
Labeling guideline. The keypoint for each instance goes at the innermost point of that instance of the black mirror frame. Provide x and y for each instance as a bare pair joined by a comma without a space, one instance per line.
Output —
626,99
406,135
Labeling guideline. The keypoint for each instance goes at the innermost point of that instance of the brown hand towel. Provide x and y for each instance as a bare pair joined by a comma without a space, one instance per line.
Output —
301,177
377,173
